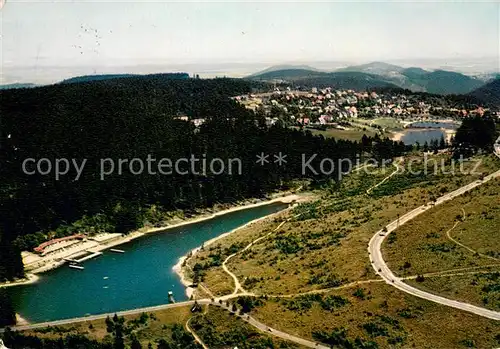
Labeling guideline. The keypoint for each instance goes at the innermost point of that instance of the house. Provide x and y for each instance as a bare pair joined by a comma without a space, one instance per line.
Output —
325,119
198,122
353,112
271,121
182,117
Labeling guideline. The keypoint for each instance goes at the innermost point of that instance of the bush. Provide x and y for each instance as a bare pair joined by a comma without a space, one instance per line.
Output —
359,293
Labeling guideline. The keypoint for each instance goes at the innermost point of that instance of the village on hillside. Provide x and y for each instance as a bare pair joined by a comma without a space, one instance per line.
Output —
330,107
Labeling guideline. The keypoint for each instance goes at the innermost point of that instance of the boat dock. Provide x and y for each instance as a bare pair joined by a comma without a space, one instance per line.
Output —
74,266
116,250
88,256
93,255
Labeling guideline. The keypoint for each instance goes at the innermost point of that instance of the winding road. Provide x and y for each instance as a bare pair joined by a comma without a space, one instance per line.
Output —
381,268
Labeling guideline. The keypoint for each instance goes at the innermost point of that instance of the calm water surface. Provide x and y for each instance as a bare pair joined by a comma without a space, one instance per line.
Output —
421,136
140,277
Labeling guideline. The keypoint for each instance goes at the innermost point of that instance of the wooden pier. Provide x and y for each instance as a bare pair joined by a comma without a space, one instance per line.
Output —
74,261
116,250
93,255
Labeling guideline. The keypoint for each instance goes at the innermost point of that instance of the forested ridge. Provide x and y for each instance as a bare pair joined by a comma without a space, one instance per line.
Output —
134,117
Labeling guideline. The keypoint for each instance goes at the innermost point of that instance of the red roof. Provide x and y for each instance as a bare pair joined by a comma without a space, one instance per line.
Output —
55,241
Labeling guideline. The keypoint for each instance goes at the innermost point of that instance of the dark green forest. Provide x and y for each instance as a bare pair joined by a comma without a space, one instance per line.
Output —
134,117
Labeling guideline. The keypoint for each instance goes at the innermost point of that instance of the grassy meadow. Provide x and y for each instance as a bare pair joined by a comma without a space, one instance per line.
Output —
377,315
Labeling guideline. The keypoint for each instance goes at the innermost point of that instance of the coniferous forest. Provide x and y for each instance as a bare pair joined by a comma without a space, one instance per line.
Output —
137,117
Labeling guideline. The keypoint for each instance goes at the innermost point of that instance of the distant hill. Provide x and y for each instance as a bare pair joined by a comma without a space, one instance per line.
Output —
489,93
310,78
286,74
284,67
89,78
488,77
390,72
379,74
414,72
420,80
16,85
445,82
347,80
377,68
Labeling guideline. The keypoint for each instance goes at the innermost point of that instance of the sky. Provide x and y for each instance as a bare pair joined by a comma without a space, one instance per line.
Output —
38,36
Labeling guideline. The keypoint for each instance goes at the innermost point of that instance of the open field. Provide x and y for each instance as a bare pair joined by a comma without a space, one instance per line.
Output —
378,313
389,123
481,289
219,329
206,264
149,329
352,134
458,234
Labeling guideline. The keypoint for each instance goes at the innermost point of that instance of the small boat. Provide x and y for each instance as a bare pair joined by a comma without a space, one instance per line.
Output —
74,266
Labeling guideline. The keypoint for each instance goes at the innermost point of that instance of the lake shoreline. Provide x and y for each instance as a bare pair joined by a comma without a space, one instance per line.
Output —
33,276
398,136
181,271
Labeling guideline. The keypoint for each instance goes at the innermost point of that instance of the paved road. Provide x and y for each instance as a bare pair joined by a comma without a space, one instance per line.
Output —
381,268
250,320
264,328
103,316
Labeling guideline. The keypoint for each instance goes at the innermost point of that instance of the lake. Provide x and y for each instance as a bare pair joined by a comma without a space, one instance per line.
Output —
140,277
427,131
421,136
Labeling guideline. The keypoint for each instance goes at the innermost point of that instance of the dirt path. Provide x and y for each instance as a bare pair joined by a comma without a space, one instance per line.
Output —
448,235
385,179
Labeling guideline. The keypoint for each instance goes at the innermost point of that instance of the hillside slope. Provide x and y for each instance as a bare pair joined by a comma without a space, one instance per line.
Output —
308,78
489,93
89,78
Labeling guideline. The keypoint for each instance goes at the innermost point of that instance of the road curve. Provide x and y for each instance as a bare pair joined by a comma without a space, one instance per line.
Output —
381,268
